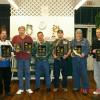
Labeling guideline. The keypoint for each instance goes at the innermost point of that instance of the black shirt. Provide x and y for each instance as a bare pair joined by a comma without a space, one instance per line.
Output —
95,45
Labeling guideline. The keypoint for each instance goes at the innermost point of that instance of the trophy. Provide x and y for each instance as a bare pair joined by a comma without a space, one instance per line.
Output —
98,54
5,51
17,47
28,47
77,51
41,51
59,51
55,28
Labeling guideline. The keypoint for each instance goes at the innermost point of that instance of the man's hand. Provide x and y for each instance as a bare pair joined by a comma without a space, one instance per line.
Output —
28,52
1,58
82,55
94,51
17,50
54,56
65,56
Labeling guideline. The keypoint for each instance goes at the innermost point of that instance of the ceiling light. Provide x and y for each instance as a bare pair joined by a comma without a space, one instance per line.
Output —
81,2
13,3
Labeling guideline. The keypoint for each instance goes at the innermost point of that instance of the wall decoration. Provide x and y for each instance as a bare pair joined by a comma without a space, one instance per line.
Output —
42,25
29,29
47,24
55,28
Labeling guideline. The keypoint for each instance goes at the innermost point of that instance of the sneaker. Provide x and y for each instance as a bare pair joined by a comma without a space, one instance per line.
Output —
55,89
19,91
84,91
37,90
97,92
1,97
29,91
65,89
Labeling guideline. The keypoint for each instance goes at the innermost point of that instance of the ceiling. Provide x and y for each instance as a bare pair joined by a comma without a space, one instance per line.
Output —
4,2
93,3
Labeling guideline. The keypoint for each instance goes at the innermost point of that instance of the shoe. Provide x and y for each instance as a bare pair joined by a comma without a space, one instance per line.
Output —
19,91
48,90
8,94
97,92
1,97
37,89
29,91
55,89
1,94
65,89
76,89
84,91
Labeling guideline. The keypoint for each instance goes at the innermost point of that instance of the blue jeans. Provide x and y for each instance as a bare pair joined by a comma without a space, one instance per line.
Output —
96,65
42,67
60,64
80,72
23,66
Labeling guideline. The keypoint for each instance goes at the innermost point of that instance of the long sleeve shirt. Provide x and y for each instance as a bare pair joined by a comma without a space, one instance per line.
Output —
84,43
45,55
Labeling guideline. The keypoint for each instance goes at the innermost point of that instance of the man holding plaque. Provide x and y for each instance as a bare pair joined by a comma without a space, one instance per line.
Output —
96,60
5,66
22,46
80,49
42,52
61,51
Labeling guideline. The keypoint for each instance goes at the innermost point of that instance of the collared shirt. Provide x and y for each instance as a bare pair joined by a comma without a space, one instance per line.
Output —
61,42
48,51
19,41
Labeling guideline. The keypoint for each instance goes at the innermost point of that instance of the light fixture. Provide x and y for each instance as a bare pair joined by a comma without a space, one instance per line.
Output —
81,2
13,3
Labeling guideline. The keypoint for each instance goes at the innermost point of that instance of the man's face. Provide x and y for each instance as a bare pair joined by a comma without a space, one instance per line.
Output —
40,37
60,35
78,35
3,35
21,31
98,33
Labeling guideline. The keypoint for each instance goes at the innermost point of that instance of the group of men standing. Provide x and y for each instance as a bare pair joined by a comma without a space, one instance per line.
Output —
24,48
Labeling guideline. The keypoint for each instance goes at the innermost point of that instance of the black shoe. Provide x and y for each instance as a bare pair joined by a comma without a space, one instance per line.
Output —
48,90
37,90
76,90
8,94
1,97
1,93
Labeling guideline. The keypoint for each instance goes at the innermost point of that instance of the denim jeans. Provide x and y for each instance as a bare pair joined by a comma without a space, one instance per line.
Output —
23,66
60,65
42,67
96,65
80,75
